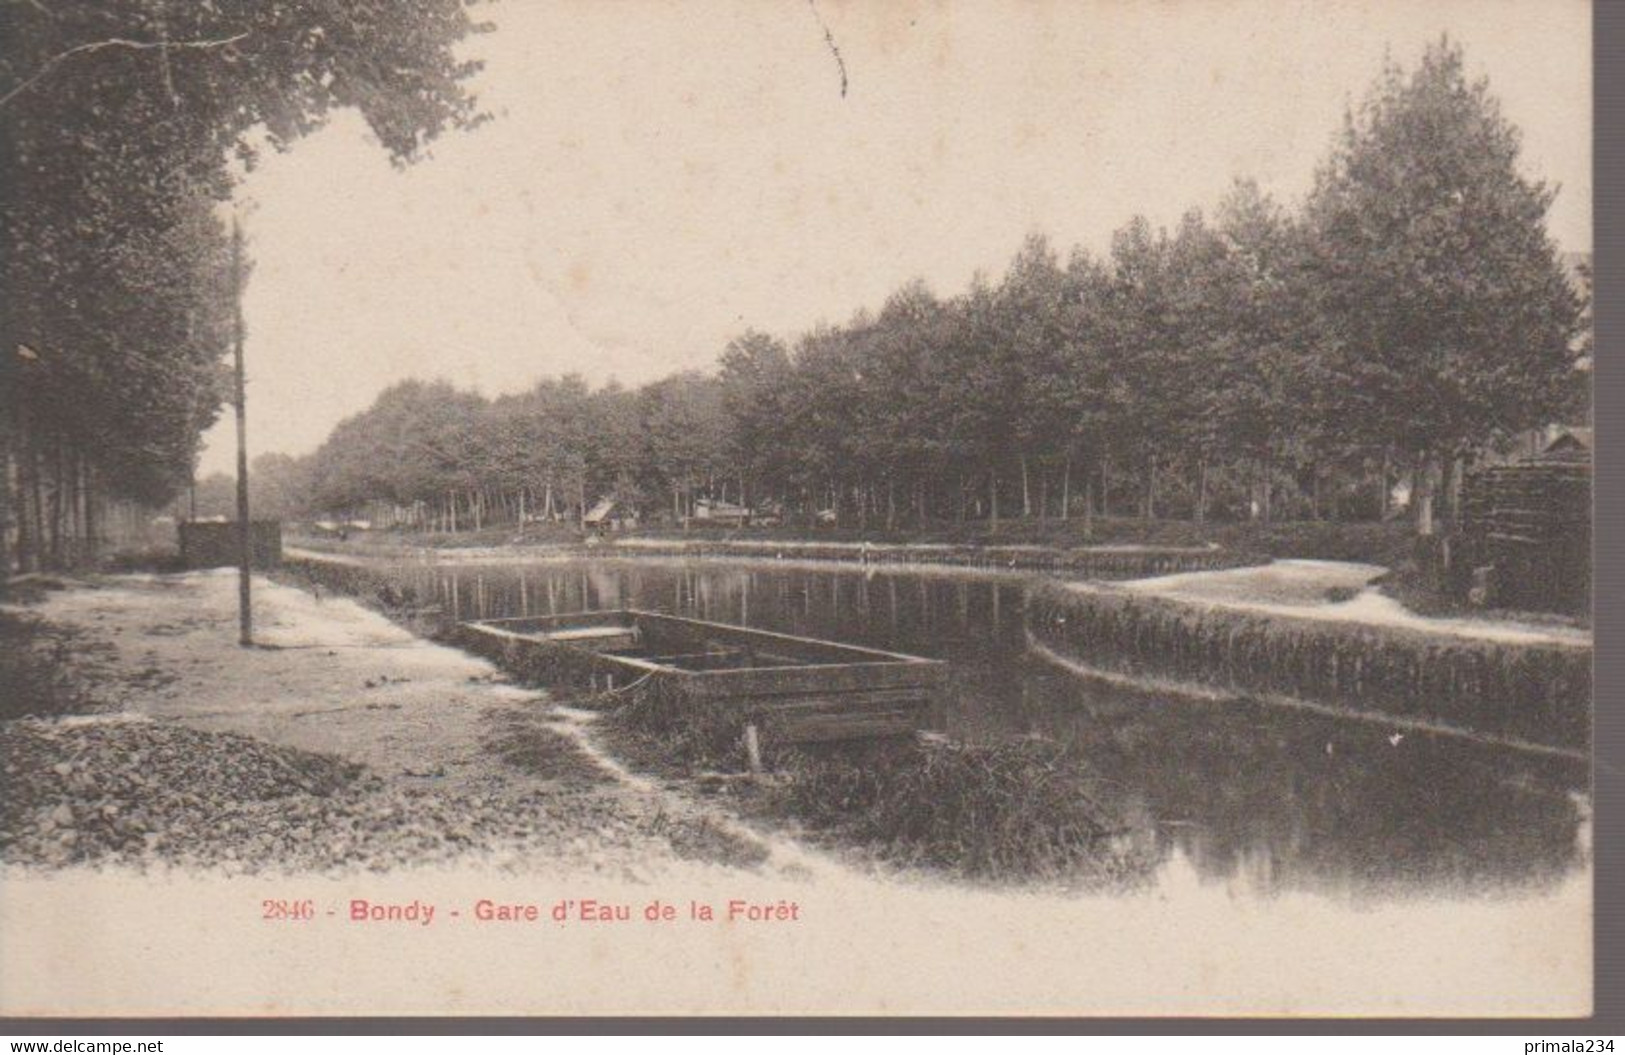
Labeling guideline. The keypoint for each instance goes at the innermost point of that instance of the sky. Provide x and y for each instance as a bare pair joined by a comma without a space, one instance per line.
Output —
659,176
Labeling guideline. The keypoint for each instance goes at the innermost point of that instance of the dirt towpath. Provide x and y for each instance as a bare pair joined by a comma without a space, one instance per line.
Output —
439,732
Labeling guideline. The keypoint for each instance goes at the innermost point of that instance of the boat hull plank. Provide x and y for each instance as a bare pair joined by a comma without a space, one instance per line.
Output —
795,689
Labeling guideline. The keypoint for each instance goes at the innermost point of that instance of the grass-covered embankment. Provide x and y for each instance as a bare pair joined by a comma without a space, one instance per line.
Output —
1539,693
1321,539
1018,811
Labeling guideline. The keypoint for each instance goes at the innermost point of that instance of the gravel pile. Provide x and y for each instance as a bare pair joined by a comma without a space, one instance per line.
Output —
142,793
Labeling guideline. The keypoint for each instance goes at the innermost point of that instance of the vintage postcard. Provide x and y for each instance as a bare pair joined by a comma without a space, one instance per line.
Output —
796,507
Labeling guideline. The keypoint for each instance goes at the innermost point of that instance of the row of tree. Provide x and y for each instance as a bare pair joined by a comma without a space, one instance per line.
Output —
1258,363
120,125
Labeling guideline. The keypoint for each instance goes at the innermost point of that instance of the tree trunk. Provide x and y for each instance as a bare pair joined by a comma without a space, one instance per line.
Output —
39,507
1026,491
1452,492
92,520
1201,490
1387,491
1150,510
1268,488
76,524
1425,467
11,534
1066,488
1088,507
993,499
55,519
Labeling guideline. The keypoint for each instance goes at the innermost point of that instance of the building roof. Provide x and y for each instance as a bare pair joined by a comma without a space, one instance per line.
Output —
1570,437
601,510
1567,443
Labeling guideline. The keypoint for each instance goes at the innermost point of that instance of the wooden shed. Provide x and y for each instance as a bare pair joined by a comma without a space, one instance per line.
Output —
1526,529
214,544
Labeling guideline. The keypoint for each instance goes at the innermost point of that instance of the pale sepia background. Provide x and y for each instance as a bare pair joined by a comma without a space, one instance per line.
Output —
660,176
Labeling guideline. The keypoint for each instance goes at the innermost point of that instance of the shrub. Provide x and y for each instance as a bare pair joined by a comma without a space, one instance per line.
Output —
1020,809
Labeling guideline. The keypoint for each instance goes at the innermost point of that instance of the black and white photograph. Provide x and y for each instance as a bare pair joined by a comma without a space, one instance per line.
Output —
796,508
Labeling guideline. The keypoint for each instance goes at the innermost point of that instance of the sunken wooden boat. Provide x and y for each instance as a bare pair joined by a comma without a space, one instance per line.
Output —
799,689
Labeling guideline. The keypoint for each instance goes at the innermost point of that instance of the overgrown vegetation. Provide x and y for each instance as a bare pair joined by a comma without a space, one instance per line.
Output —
1023,810
1015,811
695,733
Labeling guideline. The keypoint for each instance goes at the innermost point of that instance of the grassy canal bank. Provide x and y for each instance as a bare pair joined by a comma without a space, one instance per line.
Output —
1326,539
1109,547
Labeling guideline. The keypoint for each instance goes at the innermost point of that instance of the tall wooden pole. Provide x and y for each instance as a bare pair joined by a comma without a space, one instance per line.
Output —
245,541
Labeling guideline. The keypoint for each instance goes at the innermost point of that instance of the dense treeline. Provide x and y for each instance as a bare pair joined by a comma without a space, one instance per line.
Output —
120,125
1255,363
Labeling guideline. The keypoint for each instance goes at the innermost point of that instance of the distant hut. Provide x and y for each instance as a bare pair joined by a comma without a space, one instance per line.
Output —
1526,527
609,514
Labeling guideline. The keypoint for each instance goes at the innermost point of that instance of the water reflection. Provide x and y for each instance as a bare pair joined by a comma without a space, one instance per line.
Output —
1262,798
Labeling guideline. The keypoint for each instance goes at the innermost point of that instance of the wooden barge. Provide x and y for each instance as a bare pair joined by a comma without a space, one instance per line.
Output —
796,689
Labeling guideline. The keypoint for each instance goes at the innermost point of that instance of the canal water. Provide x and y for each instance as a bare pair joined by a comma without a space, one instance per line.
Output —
1262,798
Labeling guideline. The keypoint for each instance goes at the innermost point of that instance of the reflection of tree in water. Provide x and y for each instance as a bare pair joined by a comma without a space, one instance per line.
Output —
1247,793
1256,795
